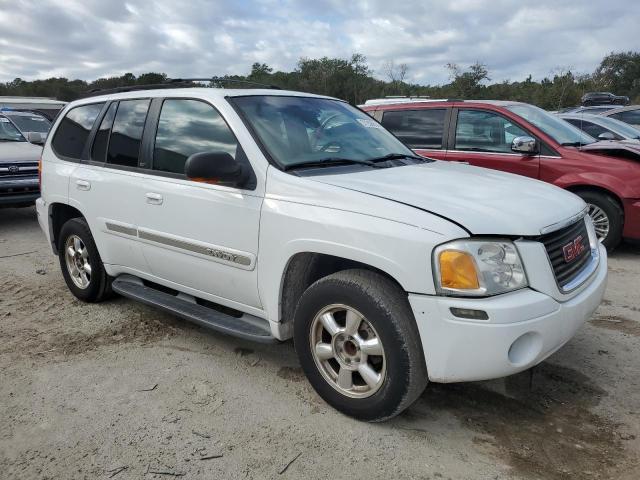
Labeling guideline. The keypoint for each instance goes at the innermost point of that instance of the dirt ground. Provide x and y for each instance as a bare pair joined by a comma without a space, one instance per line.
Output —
120,390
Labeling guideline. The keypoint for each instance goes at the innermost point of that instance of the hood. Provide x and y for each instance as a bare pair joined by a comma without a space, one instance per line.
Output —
623,148
19,152
484,202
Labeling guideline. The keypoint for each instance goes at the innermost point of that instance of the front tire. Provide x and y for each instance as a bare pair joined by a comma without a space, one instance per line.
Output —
607,216
81,265
359,345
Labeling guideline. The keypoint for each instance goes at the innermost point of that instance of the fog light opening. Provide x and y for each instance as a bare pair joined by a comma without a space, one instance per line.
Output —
469,313
525,349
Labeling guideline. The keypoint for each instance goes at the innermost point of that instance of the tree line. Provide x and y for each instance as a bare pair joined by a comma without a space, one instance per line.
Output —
353,80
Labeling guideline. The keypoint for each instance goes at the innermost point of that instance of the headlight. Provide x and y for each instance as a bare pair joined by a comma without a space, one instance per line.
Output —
478,268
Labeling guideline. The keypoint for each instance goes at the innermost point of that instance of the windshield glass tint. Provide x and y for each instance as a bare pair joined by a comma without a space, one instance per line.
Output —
8,132
303,129
561,131
31,123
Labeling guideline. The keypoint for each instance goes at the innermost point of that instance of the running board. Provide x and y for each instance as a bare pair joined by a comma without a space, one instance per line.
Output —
247,326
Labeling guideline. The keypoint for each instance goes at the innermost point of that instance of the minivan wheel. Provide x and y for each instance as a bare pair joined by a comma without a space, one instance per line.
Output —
607,217
359,345
81,264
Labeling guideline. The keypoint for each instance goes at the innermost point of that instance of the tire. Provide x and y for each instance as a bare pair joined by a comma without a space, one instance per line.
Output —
386,315
603,204
76,233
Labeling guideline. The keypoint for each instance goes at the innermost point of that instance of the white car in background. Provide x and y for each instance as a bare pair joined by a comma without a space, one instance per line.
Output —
269,214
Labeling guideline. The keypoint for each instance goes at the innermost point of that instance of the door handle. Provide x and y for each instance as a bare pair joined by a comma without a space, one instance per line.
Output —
154,198
83,185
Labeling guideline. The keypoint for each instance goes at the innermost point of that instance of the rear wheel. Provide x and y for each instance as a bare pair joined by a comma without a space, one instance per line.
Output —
359,345
81,265
607,216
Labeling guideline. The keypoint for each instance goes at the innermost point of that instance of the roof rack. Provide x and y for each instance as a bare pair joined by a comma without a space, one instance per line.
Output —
174,83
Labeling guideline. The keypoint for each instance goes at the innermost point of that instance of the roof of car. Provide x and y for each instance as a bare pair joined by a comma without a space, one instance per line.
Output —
620,109
201,92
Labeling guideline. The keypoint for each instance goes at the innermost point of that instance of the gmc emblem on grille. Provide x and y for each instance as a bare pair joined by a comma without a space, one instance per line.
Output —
14,168
572,250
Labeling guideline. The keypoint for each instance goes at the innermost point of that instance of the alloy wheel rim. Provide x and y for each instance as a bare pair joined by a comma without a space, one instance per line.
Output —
77,261
348,351
600,220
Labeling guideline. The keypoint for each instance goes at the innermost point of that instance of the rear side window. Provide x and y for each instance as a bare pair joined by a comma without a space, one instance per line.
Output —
417,128
74,129
101,141
186,127
126,133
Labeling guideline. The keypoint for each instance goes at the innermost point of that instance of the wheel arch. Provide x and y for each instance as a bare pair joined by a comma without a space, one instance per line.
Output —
597,189
303,269
59,214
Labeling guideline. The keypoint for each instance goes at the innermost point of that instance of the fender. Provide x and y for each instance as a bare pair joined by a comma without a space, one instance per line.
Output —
602,181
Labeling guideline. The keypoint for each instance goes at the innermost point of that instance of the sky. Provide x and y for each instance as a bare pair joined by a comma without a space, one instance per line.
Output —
88,39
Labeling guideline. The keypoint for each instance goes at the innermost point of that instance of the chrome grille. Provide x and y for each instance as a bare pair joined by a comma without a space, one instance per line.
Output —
558,243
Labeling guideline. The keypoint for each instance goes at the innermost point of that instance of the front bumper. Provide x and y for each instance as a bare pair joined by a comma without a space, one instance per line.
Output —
18,191
523,329
631,219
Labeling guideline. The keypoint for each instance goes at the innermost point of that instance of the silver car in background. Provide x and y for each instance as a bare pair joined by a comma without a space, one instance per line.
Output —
601,127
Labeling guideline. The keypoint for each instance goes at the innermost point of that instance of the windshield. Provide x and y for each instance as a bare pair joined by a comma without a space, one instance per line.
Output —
300,130
562,132
8,132
619,127
31,123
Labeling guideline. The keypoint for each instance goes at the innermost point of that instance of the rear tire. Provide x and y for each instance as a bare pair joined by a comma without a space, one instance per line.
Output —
81,265
375,343
607,216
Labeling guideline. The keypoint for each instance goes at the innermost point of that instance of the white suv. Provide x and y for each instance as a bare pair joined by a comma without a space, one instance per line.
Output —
270,214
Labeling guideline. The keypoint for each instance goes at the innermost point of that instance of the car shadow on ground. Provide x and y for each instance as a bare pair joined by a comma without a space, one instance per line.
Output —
539,422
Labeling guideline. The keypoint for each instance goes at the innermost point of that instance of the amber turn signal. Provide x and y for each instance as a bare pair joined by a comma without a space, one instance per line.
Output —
458,271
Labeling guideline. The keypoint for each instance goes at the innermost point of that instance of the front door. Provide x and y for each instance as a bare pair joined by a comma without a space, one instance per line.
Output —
483,138
199,235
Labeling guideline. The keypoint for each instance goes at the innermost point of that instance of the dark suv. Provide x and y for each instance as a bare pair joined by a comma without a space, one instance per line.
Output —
603,98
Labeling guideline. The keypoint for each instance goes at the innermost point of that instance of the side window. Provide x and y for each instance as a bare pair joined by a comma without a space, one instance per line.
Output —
126,133
74,129
417,128
629,116
99,151
483,131
186,127
588,127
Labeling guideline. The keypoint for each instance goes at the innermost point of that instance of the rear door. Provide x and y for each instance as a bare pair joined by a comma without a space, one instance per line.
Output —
105,185
483,138
422,130
195,234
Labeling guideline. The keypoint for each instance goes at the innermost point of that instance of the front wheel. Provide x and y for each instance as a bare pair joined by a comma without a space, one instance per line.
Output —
359,345
607,217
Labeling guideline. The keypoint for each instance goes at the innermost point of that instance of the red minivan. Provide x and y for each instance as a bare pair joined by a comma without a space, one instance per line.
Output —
523,139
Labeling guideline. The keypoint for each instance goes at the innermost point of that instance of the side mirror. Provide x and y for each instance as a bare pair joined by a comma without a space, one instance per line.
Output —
606,136
36,137
525,145
219,168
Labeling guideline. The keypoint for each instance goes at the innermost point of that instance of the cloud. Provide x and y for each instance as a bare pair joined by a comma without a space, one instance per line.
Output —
93,38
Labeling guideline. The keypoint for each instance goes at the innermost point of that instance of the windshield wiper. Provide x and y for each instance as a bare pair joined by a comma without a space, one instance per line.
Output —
398,156
11,140
330,162
575,144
